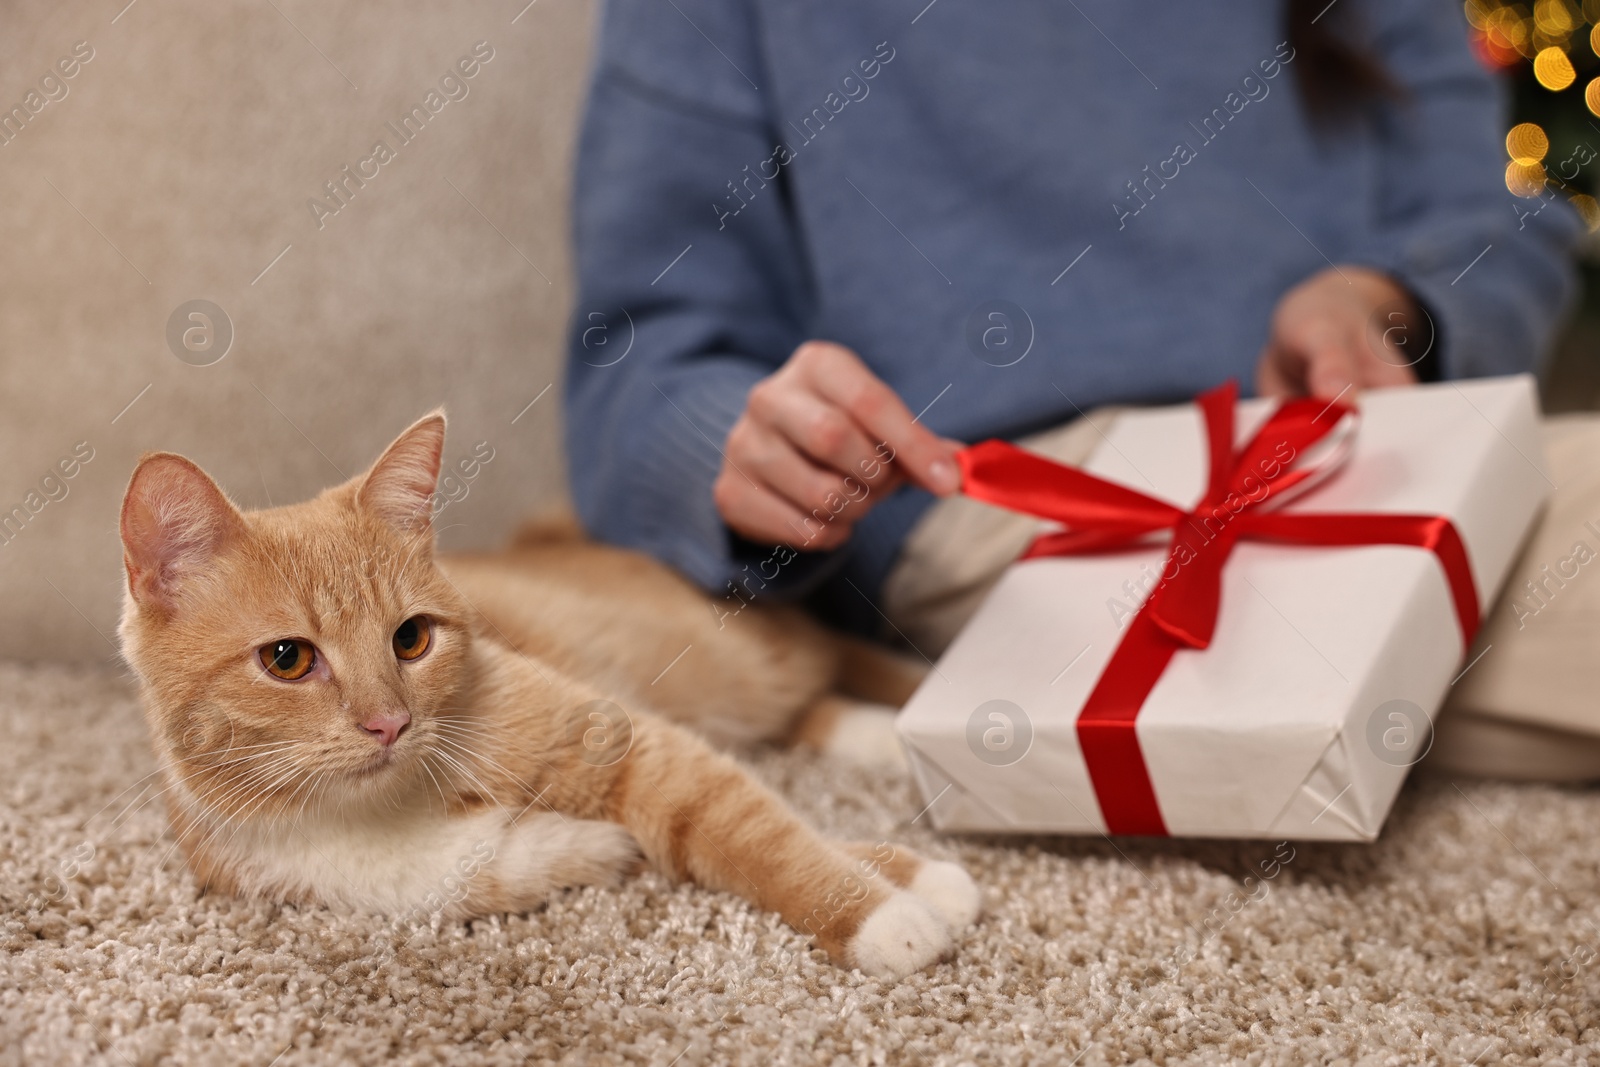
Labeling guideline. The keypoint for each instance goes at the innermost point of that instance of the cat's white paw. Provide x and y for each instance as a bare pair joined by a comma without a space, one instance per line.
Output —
901,936
949,891
864,734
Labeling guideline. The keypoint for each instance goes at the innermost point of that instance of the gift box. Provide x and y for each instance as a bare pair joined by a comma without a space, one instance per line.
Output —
1238,619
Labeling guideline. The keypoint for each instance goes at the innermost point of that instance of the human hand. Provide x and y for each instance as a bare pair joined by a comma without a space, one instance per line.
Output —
1340,331
820,442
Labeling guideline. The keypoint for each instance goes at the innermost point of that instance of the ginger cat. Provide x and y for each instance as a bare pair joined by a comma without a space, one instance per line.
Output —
344,718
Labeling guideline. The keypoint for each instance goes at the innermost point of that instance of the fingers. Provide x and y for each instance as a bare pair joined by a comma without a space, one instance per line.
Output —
1323,337
756,511
819,443
1339,364
1384,368
1328,368
815,492
825,433
1333,370
838,376
1271,378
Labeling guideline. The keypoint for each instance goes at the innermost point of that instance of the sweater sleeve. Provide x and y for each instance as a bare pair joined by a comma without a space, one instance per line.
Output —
1494,271
682,305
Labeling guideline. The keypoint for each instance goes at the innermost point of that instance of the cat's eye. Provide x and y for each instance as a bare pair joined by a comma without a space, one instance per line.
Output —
288,659
412,637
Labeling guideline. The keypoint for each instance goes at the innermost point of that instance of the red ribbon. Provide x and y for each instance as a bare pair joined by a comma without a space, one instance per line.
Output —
1181,612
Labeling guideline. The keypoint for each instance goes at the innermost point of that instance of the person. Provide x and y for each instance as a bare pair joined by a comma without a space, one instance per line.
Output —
819,246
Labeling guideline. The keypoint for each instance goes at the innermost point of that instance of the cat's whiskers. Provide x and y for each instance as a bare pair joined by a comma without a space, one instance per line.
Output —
442,798
242,818
463,734
476,754
468,732
231,748
242,796
490,738
173,782
316,778
144,784
233,769
141,781
477,783
315,791
282,816
451,769
271,819
245,769
207,822
178,837
308,784
445,719
246,795
511,781
236,776
244,772
506,780
323,797
129,808
176,779
237,768
234,780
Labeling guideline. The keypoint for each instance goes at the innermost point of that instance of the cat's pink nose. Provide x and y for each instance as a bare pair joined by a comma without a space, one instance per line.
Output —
386,729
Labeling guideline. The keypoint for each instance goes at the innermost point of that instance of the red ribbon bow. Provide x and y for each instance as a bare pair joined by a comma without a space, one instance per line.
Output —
1181,613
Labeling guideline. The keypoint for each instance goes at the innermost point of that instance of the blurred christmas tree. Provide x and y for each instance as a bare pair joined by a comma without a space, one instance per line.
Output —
1550,53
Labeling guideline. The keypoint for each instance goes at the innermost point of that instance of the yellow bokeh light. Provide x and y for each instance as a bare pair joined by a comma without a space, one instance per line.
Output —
1522,34
1525,179
1588,209
1591,95
1594,39
1508,24
1553,18
1478,12
1591,10
1527,143
1553,69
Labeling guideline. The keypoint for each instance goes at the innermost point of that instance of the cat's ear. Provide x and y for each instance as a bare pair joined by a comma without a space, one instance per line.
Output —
399,488
174,522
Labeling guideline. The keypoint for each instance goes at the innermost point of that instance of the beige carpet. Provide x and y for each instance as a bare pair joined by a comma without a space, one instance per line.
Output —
1467,934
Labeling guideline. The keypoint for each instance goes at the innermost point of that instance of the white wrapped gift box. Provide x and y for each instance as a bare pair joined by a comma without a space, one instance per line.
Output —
1302,717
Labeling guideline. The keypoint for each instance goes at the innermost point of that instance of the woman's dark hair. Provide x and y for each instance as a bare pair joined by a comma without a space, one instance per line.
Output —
1338,74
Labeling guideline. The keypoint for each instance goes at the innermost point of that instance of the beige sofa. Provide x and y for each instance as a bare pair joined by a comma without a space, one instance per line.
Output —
179,162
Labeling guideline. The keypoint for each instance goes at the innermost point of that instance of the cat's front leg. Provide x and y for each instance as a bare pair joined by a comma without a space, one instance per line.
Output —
524,857
697,814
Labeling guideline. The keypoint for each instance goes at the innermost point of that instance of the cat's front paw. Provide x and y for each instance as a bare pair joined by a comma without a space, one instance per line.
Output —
863,734
945,889
901,936
949,891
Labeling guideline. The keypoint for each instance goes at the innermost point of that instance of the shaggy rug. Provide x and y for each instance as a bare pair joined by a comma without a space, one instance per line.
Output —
1467,934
